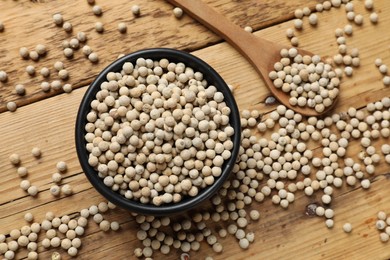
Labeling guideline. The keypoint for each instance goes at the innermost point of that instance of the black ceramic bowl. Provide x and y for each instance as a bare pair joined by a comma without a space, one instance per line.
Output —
212,77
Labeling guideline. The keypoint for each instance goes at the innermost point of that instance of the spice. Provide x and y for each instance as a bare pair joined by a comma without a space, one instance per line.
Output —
55,256
323,90
383,69
347,227
358,19
56,177
122,28
67,189
68,53
63,74
313,19
3,76
74,43
32,255
67,26
11,106
25,184
99,27
24,53
72,251
177,12
93,57
368,4
58,20
28,217
67,88
20,89
61,166
135,9
374,17
136,190
22,172
386,80
58,65
41,49
97,10
55,190
32,191
104,225
86,50
45,72
298,24
82,37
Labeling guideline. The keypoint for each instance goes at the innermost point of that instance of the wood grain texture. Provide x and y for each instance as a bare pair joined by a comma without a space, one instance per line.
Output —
280,234
28,23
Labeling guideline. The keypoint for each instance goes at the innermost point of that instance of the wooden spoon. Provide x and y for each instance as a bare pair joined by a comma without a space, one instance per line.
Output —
261,53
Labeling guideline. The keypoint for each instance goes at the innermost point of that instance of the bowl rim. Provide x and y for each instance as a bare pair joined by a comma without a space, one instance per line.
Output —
186,203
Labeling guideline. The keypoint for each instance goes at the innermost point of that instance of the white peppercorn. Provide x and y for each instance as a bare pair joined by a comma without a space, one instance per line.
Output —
97,10
61,166
374,17
11,106
28,217
386,80
67,88
313,19
248,29
99,27
9,254
55,190
22,172
135,9
298,24
86,50
384,237
74,43
358,19
244,243
3,76
347,227
177,12
67,189
58,20
122,27
32,255
41,49
93,57
63,74
329,223
114,226
67,26
368,4
72,251
68,53
81,36
32,191
365,183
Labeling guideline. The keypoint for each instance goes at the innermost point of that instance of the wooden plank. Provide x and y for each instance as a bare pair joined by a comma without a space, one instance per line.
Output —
156,27
282,234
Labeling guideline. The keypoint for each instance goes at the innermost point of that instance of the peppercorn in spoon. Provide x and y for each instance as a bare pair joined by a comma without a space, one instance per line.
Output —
296,77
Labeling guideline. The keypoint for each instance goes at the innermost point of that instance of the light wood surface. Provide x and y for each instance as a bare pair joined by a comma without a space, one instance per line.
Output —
47,120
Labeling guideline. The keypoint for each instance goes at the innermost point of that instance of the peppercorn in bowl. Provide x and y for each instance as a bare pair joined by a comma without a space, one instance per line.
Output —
158,132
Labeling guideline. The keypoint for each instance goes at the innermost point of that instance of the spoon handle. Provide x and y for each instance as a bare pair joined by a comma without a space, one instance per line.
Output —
256,50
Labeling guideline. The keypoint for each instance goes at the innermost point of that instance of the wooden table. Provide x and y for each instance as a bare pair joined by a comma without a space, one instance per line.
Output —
46,120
